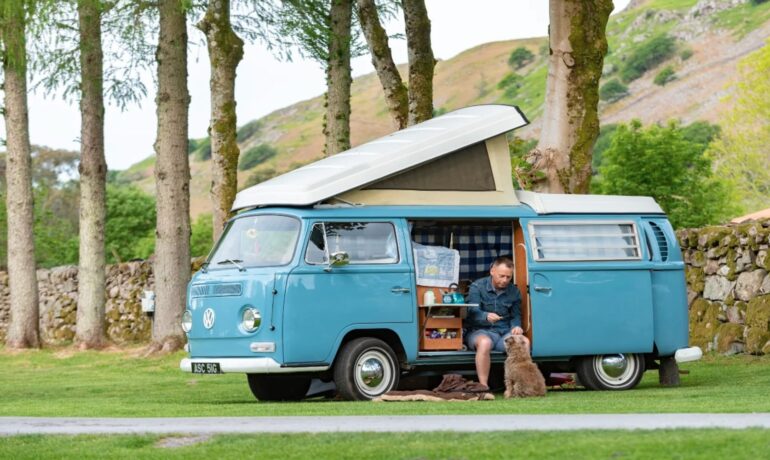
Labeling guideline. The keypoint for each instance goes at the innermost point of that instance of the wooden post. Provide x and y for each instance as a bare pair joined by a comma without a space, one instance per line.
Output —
668,374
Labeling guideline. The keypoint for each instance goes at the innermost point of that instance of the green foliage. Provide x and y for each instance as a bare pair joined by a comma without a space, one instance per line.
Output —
510,85
520,57
203,149
437,111
256,155
649,54
248,130
741,152
701,132
522,173
603,142
665,76
202,235
613,91
686,54
129,232
260,175
658,161
56,211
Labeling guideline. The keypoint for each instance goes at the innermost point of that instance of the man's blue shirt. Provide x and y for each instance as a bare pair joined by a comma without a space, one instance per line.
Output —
506,303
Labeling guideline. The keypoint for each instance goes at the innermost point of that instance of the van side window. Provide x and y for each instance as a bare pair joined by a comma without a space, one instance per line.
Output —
567,241
365,242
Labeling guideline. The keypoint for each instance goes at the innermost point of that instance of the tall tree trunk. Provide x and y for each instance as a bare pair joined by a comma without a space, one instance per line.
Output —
93,175
23,330
382,60
561,162
172,179
338,79
421,61
225,53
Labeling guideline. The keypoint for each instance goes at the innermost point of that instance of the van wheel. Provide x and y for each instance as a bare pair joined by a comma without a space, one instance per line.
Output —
365,368
622,371
278,387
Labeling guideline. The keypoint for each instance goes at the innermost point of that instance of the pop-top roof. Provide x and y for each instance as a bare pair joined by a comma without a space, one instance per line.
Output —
383,157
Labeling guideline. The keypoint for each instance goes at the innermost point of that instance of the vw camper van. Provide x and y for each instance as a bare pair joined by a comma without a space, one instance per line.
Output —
318,274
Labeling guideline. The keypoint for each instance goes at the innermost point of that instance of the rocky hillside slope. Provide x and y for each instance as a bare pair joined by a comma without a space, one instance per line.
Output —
709,38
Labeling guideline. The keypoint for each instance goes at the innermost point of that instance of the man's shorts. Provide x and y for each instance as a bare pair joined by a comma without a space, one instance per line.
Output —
498,341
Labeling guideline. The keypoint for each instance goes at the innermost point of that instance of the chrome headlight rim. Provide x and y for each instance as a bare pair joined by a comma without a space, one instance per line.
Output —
187,321
251,319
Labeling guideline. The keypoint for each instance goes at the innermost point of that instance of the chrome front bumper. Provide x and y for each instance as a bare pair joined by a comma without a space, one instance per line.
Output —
685,355
248,366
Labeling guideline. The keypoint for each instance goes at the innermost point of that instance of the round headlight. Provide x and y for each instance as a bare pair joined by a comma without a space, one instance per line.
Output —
186,321
251,319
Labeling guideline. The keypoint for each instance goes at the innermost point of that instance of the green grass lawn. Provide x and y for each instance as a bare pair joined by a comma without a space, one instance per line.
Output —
679,444
63,382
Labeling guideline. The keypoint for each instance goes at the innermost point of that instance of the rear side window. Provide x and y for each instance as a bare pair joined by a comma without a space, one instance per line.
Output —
581,241
364,242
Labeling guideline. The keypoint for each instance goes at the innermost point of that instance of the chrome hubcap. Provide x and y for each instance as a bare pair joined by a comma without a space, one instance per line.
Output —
371,373
614,366
615,370
374,373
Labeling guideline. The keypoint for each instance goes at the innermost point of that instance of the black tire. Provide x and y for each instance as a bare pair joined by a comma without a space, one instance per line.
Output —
365,368
621,371
278,387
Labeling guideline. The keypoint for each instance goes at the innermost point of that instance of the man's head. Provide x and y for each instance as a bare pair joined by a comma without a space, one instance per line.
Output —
501,272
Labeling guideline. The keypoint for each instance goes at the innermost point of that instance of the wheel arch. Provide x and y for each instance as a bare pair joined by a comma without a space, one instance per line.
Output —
388,336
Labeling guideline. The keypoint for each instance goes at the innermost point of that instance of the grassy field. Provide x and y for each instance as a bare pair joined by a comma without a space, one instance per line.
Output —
63,382
679,444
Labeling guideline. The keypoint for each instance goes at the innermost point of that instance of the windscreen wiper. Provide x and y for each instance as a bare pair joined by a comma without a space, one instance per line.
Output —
236,262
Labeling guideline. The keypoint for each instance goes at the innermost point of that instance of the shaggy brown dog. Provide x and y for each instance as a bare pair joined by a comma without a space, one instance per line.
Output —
522,377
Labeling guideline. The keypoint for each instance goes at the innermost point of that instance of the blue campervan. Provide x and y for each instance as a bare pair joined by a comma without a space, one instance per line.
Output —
316,276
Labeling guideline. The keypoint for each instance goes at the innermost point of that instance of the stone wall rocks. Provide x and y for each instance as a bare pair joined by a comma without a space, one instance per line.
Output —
125,322
728,286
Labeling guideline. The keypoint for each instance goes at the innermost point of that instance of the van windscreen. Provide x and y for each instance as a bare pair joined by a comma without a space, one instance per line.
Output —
256,241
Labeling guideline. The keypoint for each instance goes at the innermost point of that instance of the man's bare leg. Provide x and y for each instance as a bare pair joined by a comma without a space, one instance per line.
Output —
483,348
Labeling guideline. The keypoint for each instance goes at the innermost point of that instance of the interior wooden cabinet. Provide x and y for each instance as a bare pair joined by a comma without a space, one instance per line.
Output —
448,323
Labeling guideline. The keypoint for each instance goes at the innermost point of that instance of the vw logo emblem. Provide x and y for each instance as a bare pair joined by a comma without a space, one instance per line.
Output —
208,318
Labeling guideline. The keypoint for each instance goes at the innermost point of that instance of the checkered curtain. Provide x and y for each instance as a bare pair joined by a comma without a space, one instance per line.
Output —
478,245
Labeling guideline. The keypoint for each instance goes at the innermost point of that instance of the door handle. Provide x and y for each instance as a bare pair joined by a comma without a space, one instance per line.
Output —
400,290
542,289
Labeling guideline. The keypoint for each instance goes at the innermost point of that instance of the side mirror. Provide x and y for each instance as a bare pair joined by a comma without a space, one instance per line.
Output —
338,259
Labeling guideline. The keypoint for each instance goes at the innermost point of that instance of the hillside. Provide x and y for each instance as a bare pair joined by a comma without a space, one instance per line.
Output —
707,38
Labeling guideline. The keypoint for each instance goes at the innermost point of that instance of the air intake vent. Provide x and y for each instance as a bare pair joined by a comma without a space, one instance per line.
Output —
661,239
216,290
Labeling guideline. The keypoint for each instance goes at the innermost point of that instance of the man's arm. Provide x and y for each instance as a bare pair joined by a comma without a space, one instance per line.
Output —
516,308
476,315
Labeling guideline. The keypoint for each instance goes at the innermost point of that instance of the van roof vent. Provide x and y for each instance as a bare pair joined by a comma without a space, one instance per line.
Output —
661,238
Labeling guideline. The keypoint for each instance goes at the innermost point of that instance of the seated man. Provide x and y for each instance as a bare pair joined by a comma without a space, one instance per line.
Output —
497,316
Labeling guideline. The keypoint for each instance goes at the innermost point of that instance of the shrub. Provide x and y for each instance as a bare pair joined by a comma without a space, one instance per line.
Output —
256,155
648,55
510,84
520,57
686,54
260,176
664,76
248,130
203,149
202,235
613,90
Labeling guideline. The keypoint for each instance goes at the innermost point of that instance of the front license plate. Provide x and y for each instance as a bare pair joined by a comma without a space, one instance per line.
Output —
206,368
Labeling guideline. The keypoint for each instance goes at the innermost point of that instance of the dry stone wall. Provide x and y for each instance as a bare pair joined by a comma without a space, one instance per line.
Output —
729,286
58,287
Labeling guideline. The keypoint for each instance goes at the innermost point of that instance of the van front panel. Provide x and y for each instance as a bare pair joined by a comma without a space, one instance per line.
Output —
217,302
